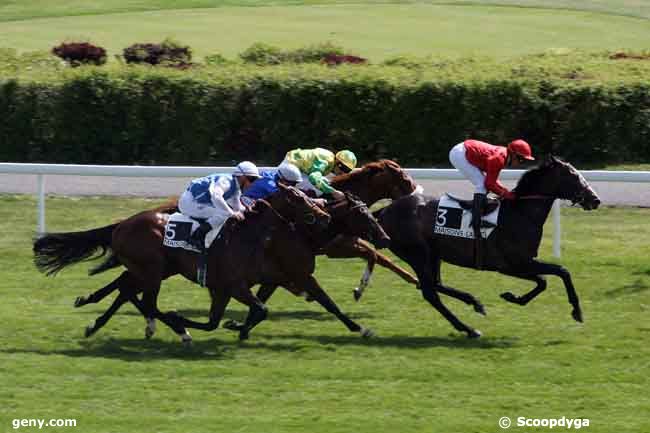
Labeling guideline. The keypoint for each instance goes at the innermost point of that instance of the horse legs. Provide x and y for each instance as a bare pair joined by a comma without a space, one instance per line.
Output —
257,310
265,292
128,292
525,299
101,320
347,247
219,301
417,255
540,268
100,294
465,297
318,294
150,285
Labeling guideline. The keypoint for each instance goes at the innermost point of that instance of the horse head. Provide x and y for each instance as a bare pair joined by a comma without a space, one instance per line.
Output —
558,179
296,207
376,181
353,218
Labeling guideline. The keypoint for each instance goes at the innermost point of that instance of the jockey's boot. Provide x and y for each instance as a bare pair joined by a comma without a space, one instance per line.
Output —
477,210
197,239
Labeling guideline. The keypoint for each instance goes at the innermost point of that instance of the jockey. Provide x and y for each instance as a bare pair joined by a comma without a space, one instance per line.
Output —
481,163
317,163
216,198
267,184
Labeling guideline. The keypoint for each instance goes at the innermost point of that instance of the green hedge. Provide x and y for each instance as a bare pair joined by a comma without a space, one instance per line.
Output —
129,115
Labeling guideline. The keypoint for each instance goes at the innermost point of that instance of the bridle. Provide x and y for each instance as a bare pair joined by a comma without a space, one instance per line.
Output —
578,198
308,216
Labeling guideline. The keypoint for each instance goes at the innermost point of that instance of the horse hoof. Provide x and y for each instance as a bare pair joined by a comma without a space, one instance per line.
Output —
507,296
186,339
90,330
357,294
577,315
480,309
367,333
148,333
474,333
243,336
79,302
232,325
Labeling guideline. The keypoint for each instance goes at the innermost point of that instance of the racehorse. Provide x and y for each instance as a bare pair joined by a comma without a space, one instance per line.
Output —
383,179
263,253
136,243
510,249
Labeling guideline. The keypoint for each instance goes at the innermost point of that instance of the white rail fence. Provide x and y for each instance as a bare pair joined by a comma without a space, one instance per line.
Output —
42,170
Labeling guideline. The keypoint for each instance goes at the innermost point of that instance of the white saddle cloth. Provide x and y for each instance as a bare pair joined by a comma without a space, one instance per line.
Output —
179,228
452,220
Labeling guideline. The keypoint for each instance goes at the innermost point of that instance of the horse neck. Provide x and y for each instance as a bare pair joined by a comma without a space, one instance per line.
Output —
535,209
357,187
338,222
298,227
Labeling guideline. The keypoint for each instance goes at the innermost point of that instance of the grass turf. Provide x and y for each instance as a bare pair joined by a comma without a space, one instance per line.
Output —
11,10
376,30
302,371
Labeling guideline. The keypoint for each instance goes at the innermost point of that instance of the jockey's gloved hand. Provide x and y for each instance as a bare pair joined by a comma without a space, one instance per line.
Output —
337,195
238,216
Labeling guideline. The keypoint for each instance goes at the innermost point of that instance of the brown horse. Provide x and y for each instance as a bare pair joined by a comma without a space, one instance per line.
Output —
243,255
383,179
265,253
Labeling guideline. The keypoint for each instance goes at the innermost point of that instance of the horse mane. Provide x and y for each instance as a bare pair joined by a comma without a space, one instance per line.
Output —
531,178
367,170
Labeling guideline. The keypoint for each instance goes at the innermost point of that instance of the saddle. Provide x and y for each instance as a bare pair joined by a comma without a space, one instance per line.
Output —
491,205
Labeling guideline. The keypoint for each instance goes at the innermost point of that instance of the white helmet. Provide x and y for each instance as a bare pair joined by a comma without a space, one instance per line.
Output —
246,168
289,172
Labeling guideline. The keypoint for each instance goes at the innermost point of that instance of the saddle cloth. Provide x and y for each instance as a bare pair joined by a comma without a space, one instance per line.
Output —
452,220
179,228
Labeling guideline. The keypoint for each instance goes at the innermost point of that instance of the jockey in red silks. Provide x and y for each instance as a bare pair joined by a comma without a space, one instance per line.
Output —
481,163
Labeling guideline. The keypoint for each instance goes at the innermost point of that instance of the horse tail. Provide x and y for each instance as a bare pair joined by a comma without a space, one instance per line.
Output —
55,251
111,262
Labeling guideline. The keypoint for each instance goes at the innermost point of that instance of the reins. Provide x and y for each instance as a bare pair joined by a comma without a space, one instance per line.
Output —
536,197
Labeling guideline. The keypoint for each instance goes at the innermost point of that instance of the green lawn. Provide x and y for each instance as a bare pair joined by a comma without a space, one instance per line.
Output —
301,371
11,10
376,30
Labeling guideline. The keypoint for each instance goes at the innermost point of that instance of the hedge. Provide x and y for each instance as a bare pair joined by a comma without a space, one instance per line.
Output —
139,115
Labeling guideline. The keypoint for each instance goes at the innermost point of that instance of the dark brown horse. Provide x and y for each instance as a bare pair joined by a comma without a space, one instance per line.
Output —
244,254
375,181
511,249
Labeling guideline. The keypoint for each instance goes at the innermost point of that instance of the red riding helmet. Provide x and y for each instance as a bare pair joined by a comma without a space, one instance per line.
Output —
521,148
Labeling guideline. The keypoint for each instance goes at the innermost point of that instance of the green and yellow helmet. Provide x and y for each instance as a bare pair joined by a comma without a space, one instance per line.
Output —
347,159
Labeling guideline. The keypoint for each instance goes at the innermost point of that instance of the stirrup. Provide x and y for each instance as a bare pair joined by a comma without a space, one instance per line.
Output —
202,269
477,208
197,239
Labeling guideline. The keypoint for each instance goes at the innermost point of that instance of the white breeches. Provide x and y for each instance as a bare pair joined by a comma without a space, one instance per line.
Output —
188,206
459,160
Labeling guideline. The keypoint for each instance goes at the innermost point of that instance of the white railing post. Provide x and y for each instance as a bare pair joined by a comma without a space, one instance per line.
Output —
557,229
41,204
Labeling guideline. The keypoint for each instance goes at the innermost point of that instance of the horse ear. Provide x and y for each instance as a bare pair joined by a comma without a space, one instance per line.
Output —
550,160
